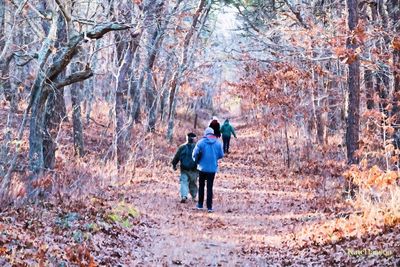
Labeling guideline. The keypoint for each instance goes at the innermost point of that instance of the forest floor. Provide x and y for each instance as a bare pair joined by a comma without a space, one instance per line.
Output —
265,215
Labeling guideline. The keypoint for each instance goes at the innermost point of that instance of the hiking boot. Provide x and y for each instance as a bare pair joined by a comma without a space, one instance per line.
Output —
183,200
210,210
199,207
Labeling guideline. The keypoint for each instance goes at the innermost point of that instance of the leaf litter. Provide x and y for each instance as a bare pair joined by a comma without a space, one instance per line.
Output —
266,215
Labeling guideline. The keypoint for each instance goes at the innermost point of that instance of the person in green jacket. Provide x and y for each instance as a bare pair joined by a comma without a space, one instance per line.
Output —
226,132
189,173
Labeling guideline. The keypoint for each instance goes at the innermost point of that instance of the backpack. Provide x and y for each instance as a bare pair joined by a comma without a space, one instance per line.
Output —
187,163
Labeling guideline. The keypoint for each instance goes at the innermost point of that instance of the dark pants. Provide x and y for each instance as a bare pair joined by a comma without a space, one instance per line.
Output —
226,140
203,177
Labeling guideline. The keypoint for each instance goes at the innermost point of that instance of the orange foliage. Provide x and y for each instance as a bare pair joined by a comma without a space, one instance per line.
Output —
371,177
280,88
396,43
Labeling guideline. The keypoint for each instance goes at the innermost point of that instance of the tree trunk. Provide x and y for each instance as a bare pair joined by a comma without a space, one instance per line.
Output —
382,78
150,92
393,8
55,110
324,109
353,82
334,100
53,117
195,120
37,128
151,102
41,144
90,85
164,84
369,88
134,90
120,103
156,37
2,22
7,139
5,85
176,80
62,39
76,98
124,85
368,74
319,107
287,144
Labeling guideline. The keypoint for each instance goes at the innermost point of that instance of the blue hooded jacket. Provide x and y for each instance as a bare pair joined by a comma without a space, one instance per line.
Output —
207,152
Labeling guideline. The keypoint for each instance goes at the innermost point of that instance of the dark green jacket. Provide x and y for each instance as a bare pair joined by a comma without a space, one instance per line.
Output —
178,153
227,130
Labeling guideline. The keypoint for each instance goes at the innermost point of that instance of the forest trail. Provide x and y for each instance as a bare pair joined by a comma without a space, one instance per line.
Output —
256,206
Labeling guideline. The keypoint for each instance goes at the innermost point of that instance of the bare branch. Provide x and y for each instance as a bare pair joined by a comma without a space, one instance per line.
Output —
99,30
64,55
84,21
40,14
66,15
9,39
297,14
247,20
74,78
30,58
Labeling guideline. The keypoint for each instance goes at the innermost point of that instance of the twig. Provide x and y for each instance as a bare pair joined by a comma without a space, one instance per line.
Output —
98,123
64,12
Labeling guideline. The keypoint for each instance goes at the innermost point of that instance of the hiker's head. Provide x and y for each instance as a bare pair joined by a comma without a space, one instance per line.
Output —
190,137
227,120
208,131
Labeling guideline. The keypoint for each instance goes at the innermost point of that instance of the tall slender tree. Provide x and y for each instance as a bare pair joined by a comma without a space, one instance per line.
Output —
177,76
353,83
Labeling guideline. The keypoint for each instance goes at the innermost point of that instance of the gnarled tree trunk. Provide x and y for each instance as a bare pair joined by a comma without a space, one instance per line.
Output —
41,139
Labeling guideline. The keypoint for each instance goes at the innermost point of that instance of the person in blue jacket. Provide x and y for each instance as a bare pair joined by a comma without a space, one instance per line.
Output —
206,153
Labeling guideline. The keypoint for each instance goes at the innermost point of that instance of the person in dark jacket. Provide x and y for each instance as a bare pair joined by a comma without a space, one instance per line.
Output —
206,153
226,131
189,173
214,124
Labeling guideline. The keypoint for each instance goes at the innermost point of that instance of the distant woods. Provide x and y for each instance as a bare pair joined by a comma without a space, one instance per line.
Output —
325,70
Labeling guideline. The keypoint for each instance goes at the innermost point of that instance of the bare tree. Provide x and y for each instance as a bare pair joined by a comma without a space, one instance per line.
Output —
41,138
176,78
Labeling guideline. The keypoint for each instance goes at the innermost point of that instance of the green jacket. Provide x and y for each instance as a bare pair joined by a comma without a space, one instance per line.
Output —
227,129
178,154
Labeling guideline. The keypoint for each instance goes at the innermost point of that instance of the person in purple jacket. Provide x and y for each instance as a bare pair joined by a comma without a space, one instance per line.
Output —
206,153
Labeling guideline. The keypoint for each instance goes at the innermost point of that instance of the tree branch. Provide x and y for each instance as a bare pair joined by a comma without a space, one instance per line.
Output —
98,31
64,55
74,78
247,20
66,15
297,14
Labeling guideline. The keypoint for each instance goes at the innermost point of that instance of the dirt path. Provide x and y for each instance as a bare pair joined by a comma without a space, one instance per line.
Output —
255,206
